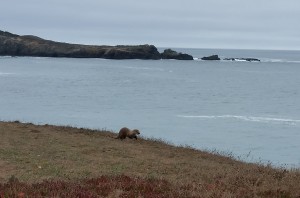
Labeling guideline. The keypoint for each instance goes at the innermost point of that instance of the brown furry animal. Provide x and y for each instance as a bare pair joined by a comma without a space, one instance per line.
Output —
125,132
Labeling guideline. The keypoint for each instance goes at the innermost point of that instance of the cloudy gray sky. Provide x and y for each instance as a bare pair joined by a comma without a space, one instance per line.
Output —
243,24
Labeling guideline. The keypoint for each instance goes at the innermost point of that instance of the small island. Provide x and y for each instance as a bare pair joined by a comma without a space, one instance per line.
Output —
28,45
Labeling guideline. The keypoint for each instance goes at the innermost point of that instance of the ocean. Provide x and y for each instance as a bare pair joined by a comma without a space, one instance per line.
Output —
250,110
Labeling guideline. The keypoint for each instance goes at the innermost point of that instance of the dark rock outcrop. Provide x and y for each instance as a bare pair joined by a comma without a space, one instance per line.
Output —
8,34
213,57
216,57
243,59
170,54
15,45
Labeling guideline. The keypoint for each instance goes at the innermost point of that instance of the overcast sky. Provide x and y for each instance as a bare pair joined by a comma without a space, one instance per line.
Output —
242,24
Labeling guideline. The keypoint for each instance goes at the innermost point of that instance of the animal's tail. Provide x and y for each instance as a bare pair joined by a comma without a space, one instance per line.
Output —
110,136
118,137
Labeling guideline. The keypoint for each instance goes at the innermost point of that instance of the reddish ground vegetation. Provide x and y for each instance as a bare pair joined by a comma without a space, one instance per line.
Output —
104,186
125,186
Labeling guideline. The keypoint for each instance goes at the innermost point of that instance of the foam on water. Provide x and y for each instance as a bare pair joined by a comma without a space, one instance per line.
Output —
3,57
143,68
245,118
5,74
268,60
264,60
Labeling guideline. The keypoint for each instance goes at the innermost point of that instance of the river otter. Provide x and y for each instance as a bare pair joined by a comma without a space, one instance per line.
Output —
125,132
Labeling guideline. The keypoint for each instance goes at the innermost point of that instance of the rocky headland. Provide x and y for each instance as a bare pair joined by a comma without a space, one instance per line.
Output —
28,45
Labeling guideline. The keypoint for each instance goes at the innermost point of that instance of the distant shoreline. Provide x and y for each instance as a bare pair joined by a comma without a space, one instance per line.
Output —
29,45
33,46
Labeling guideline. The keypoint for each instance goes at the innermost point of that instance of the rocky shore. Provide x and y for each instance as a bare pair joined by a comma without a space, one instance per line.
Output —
28,45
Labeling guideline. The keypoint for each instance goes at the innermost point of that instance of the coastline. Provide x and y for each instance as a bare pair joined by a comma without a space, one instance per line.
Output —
33,153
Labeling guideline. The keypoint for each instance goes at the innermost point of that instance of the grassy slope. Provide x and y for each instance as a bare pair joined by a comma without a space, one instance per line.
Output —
34,153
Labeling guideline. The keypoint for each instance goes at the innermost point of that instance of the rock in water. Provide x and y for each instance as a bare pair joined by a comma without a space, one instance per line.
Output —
212,57
171,54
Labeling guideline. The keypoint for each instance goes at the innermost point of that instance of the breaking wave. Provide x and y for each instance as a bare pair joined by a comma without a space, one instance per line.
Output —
263,60
245,118
142,68
268,60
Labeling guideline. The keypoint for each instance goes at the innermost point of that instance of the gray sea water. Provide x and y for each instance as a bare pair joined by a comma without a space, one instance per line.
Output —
251,109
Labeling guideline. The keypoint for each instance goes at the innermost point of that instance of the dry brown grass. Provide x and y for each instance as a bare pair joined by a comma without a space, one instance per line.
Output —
34,153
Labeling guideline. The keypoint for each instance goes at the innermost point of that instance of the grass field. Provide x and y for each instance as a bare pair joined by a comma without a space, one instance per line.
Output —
58,161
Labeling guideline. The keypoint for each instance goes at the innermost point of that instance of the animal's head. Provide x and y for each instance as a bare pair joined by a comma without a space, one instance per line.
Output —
136,131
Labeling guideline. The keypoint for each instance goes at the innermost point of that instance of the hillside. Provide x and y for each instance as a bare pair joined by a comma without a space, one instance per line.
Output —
74,160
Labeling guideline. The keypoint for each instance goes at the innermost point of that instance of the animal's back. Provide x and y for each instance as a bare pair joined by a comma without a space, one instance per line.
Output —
123,133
